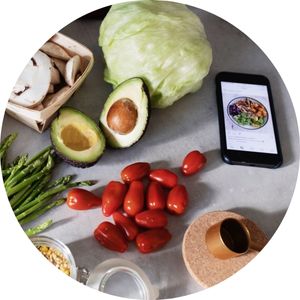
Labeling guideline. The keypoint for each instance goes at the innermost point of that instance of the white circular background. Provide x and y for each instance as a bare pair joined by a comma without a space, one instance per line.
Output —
273,25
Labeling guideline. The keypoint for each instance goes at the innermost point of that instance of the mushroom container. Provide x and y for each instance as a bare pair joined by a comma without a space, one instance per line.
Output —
39,115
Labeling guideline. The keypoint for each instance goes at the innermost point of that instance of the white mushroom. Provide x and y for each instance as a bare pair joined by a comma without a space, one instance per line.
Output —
39,107
72,69
50,99
55,77
33,83
60,65
51,89
54,50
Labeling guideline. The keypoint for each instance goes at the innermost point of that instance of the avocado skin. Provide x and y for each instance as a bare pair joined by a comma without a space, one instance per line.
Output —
146,90
145,87
72,162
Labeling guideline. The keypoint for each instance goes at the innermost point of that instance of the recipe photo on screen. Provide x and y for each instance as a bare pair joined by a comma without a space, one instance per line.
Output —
248,119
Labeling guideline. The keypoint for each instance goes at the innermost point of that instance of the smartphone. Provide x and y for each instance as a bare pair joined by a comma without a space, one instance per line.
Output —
247,123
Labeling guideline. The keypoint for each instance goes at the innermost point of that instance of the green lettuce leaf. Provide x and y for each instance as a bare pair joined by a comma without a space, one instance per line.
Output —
163,43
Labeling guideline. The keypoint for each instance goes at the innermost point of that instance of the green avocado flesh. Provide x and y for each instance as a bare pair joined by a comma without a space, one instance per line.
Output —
76,138
125,114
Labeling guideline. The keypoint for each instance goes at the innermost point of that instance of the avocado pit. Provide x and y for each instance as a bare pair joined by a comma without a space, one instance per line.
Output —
122,116
125,114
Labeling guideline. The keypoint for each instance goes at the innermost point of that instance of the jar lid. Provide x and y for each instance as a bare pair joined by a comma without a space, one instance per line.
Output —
120,277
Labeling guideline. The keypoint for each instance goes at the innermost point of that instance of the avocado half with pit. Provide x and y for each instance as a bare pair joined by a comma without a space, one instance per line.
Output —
125,115
76,138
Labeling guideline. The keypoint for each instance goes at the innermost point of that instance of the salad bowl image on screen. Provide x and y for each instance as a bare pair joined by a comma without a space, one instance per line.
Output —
247,113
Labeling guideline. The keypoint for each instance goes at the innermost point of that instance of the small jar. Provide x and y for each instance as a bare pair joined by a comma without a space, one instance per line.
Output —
59,246
117,276
121,277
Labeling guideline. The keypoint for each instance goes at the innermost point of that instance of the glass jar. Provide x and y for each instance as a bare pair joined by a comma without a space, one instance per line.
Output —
116,276
120,277
61,247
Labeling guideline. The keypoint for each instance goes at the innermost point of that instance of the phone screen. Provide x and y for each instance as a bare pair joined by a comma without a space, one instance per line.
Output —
247,116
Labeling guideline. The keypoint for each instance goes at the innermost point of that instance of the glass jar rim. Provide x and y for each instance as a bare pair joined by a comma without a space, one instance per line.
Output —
39,240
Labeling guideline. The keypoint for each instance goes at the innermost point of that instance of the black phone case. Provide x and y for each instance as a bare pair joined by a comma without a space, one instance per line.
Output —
244,157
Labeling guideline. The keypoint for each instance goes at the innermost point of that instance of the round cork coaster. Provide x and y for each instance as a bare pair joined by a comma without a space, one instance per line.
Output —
206,269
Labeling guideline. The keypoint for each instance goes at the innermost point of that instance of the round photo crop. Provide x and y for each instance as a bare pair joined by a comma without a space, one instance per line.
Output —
111,157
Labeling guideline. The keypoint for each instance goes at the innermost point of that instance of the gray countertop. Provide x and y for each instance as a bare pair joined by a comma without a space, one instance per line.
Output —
263,195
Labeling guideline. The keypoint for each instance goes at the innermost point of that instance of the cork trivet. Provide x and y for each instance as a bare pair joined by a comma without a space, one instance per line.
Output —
206,269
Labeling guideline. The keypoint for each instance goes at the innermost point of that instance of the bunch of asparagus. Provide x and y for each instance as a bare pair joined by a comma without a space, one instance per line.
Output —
28,186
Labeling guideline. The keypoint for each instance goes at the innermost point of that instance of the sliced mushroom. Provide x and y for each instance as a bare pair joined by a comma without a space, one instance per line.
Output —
51,89
38,107
60,65
72,69
50,99
55,77
33,83
54,50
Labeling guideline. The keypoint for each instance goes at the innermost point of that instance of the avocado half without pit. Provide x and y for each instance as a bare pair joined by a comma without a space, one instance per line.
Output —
76,138
125,114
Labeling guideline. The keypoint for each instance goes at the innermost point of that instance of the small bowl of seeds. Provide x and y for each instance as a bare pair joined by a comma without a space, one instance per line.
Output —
57,253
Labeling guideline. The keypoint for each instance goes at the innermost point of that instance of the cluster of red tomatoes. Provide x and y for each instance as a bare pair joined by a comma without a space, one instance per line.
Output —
144,217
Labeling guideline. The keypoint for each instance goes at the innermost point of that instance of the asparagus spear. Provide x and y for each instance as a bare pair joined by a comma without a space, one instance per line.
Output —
10,167
17,198
7,171
36,190
33,208
30,193
16,168
38,155
38,229
4,147
3,160
15,162
41,211
8,140
29,180
5,144
62,180
42,198
26,171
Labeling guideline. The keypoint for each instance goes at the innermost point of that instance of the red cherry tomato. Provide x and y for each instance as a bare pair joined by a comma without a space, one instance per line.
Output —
193,163
164,177
177,200
128,226
81,199
152,219
135,171
156,198
152,240
111,237
112,197
134,199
